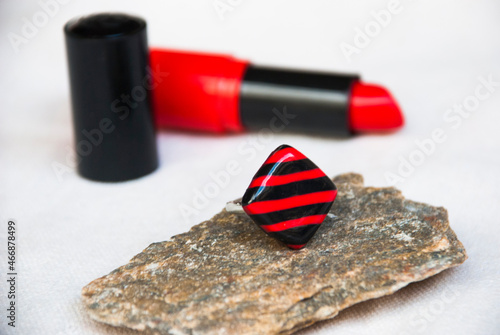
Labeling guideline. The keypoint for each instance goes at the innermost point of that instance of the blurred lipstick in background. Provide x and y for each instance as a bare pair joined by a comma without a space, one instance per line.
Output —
217,93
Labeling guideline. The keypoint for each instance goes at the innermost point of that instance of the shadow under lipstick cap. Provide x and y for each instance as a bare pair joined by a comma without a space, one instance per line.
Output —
110,81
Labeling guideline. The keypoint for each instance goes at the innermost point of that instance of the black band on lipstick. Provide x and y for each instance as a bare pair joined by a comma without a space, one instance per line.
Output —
306,102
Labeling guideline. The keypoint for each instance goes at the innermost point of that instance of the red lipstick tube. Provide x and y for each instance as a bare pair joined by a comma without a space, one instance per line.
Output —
217,93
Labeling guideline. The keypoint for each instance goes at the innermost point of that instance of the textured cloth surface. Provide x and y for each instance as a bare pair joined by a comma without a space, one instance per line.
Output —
431,55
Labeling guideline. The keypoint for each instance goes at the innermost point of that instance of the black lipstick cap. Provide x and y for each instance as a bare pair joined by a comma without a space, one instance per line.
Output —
110,84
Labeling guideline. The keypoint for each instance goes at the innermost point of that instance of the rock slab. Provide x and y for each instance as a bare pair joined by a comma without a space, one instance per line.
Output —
226,276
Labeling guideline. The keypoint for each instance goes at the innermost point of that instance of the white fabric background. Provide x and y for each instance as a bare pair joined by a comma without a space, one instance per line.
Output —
73,231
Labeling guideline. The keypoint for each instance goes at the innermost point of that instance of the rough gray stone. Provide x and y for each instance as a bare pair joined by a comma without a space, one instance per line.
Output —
226,276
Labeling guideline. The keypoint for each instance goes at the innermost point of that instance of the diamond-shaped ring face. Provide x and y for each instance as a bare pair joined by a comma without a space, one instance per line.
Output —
289,197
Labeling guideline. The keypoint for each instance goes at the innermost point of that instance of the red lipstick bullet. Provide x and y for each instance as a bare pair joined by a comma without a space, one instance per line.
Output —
218,93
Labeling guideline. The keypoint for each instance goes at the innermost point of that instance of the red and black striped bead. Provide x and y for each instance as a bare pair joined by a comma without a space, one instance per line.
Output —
289,197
